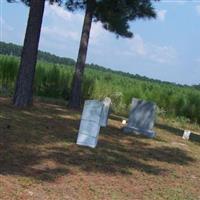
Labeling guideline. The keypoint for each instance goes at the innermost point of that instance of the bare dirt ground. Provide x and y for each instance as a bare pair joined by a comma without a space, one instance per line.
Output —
40,160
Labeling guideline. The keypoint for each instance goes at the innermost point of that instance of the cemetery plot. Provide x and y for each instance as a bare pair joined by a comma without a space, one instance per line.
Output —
39,160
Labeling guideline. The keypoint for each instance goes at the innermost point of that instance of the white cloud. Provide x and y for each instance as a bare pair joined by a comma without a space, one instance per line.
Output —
69,25
138,46
5,25
161,14
198,9
153,52
5,29
197,60
179,2
60,24
55,32
97,33
162,54
55,10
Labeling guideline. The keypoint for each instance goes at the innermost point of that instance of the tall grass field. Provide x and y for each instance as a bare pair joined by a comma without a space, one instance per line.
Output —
54,80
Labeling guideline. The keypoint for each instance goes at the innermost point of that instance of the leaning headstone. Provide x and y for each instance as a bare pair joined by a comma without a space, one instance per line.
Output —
186,135
141,118
105,112
90,123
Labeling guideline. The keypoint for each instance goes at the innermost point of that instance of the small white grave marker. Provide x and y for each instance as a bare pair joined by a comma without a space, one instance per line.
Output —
186,135
124,122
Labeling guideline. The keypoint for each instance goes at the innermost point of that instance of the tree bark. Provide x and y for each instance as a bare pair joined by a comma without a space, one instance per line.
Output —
23,95
76,91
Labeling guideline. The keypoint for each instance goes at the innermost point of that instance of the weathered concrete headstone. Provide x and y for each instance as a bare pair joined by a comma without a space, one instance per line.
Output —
141,118
186,135
105,112
95,114
90,123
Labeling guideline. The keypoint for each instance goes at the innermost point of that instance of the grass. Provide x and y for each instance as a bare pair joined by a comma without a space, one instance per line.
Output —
54,81
40,160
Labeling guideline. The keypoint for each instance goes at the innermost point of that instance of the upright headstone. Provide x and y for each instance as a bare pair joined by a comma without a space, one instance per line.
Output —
141,118
90,123
186,134
105,112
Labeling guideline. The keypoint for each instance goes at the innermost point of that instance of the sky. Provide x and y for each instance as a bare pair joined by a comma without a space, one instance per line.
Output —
166,48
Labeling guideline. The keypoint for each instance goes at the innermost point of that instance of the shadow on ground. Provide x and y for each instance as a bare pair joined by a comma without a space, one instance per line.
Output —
40,143
176,131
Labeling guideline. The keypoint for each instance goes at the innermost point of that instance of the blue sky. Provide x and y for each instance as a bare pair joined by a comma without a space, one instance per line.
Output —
167,48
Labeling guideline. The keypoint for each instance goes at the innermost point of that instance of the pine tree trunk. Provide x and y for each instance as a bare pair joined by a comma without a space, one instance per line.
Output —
23,95
76,92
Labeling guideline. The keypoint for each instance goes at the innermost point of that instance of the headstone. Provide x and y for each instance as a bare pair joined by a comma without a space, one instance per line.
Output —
186,135
141,118
123,121
90,123
105,112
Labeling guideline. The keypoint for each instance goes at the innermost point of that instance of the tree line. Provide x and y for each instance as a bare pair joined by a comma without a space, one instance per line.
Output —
15,50
115,16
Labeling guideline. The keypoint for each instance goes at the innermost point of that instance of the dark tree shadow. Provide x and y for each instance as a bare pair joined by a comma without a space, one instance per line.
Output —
48,133
176,131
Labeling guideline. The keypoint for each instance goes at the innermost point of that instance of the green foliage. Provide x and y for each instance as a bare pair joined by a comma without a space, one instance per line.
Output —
54,80
197,86
15,50
8,70
115,15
